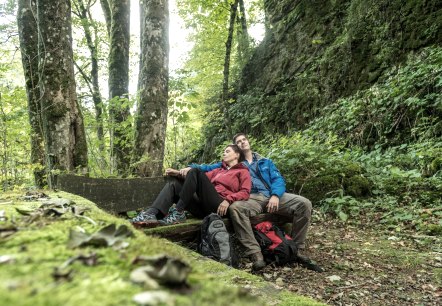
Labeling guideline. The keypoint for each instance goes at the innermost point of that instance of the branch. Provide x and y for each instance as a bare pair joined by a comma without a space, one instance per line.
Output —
85,77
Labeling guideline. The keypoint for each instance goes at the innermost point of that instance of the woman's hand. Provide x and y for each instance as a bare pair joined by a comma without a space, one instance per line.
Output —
172,172
222,208
183,172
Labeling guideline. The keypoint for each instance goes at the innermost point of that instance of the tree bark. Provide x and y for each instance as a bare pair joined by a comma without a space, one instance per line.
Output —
151,117
226,72
83,12
119,84
27,30
243,36
65,140
107,15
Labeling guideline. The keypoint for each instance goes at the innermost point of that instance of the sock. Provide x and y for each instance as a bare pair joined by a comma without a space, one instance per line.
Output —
180,206
153,211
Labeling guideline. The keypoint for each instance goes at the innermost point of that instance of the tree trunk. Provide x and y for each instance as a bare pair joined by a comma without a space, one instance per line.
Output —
64,135
83,13
243,36
151,118
119,112
226,72
107,15
27,29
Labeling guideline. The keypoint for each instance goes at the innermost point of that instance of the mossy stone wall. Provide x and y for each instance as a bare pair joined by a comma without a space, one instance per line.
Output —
315,52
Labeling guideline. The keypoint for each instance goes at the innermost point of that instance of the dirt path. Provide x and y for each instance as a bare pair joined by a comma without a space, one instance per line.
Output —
366,267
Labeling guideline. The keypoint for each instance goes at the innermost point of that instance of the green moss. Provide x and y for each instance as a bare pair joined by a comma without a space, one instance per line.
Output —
436,165
41,246
319,188
357,186
432,229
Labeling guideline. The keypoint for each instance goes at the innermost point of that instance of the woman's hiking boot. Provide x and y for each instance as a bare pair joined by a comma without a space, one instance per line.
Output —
257,261
144,219
173,217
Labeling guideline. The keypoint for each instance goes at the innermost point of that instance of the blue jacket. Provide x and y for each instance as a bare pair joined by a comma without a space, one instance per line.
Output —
267,170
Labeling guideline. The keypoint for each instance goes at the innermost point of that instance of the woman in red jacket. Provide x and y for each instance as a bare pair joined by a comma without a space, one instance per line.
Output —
214,190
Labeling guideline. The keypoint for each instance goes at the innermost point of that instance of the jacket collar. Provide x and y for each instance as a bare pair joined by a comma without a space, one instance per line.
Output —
237,166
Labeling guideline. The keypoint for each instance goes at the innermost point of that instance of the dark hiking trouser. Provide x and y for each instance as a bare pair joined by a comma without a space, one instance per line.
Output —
295,206
196,191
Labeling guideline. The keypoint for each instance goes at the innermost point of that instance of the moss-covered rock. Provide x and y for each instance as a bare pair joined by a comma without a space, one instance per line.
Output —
357,186
318,188
36,247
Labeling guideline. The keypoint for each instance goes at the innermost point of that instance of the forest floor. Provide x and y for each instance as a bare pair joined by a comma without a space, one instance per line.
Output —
365,266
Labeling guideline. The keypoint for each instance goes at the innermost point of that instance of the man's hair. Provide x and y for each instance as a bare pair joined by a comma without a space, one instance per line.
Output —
237,135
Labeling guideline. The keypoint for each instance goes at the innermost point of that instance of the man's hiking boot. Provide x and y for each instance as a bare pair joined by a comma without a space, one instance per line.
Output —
173,217
257,261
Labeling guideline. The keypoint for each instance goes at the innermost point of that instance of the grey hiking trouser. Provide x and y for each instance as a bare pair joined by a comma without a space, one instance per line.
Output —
291,205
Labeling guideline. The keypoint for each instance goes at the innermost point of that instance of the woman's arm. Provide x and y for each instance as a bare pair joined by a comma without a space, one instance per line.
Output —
245,185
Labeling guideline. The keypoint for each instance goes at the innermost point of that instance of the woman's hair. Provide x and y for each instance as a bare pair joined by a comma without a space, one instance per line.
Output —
236,149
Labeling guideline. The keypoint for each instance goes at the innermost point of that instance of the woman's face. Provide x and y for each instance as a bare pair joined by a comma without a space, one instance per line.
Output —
230,155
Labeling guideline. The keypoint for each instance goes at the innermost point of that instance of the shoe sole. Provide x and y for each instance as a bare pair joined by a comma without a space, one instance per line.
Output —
145,224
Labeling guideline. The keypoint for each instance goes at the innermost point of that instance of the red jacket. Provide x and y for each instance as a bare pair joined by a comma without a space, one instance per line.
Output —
232,184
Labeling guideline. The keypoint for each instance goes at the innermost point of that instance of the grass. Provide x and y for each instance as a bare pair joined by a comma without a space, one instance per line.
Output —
37,248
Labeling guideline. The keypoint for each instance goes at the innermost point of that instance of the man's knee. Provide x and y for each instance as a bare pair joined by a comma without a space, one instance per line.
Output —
308,206
300,205
239,208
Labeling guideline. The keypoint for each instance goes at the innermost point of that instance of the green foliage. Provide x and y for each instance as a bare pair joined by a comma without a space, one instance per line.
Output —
14,138
183,136
405,107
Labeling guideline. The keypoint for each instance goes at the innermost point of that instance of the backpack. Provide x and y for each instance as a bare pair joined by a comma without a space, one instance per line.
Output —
276,246
216,242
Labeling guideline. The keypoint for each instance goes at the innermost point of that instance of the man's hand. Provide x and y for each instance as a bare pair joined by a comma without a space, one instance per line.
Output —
273,204
222,208
183,172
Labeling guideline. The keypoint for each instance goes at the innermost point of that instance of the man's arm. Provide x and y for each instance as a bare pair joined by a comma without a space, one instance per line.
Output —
202,167
277,187
277,182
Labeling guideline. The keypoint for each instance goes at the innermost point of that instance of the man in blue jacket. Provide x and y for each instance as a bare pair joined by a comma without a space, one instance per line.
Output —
267,194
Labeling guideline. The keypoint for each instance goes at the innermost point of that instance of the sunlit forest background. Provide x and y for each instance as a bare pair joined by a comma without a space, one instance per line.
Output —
345,97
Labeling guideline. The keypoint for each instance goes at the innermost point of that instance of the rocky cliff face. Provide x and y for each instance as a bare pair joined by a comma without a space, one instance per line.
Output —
316,51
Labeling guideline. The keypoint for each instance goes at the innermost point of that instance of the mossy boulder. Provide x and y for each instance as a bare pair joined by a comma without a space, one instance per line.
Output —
38,268
435,166
357,186
321,187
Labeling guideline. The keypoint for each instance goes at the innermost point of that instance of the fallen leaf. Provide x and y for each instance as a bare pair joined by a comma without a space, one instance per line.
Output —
165,269
6,259
154,298
107,236
141,276
62,274
334,278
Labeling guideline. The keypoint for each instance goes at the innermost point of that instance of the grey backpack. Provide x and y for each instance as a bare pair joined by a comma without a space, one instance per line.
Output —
216,242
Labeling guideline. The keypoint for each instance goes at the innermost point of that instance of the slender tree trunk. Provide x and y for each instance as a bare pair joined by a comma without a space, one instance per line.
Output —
243,35
226,72
83,13
105,6
151,118
119,112
64,135
27,29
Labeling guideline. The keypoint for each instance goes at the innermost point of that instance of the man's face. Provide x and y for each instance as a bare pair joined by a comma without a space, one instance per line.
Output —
242,142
